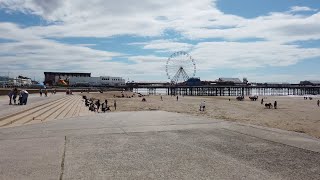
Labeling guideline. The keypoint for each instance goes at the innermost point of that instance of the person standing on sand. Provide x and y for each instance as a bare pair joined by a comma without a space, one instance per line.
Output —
40,92
161,98
98,105
115,105
46,92
275,104
318,103
177,98
262,101
202,105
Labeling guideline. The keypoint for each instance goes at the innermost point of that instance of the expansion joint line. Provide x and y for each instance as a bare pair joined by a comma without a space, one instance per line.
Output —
63,158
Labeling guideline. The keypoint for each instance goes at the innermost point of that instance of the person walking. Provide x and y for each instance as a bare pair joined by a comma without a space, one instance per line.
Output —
262,101
177,98
40,92
161,98
275,104
318,102
46,92
10,97
15,94
115,105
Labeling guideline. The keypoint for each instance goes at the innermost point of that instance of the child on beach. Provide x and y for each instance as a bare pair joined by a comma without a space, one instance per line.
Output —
202,105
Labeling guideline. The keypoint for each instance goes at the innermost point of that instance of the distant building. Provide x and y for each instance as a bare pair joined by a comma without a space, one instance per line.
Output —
193,82
22,81
229,81
61,78
96,81
310,82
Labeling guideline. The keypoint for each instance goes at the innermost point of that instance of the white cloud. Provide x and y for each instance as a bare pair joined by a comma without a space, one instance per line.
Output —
301,9
193,19
165,45
211,55
34,53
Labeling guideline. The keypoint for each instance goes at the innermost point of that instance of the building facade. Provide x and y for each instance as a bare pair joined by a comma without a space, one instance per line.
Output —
96,81
61,78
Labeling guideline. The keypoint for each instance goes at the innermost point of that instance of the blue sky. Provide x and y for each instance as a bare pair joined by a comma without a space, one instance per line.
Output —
263,40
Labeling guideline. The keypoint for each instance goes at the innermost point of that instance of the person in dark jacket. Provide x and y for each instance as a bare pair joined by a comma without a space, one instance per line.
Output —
98,105
24,97
10,97
15,94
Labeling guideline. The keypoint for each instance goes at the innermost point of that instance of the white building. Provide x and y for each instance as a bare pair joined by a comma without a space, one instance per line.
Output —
21,81
96,81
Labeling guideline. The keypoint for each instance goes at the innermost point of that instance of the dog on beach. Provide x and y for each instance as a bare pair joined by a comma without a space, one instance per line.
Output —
268,105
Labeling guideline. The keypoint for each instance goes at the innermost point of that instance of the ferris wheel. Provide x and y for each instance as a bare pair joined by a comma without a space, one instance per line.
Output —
180,67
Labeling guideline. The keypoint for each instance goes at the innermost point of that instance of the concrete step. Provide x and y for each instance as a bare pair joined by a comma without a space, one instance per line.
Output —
21,115
50,111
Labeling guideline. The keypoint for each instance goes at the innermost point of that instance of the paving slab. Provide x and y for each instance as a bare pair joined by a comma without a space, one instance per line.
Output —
35,158
155,145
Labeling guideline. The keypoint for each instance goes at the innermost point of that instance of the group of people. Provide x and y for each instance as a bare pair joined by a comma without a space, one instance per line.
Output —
22,96
269,105
96,105
45,92
306,98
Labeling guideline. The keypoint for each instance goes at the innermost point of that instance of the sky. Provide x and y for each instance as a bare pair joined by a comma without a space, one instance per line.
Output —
263,40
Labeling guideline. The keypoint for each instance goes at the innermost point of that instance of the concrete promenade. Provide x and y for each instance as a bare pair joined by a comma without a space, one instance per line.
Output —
154,145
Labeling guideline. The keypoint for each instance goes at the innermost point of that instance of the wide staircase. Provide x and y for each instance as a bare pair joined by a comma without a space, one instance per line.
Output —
65,107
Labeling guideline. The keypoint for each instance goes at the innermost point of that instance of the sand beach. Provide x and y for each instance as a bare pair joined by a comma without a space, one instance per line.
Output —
293,113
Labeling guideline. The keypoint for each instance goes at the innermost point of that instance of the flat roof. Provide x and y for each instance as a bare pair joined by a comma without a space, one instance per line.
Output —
65,73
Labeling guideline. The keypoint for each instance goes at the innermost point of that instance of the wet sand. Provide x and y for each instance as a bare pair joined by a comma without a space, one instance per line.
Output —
293,113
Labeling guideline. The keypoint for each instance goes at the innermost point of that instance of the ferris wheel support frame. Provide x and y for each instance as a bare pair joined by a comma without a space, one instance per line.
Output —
180,73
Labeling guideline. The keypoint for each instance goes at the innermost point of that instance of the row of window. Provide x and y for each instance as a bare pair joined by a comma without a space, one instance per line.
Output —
113,79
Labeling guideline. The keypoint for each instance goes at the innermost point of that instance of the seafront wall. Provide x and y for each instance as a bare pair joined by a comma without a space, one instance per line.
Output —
5,91
33,91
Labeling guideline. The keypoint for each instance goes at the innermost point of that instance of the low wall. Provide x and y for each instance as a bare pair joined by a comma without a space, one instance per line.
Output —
5,91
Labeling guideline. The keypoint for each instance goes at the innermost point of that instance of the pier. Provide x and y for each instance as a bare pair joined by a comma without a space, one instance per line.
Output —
229,90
